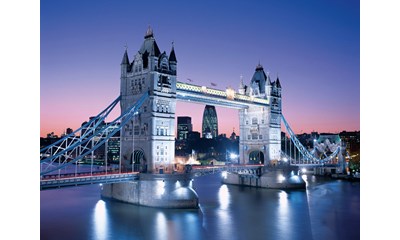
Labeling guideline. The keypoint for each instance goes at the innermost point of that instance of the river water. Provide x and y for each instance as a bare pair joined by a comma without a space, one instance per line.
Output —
327,209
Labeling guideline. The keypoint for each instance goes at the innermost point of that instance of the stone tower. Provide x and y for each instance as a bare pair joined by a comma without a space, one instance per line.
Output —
260,125
148,141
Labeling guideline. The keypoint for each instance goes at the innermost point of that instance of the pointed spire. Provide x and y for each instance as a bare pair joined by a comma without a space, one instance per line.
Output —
259,66
172,57
241,81
278,84
149,33
267,79
125,59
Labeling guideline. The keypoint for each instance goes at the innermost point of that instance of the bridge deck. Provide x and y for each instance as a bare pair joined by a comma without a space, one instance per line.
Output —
243,169
86,180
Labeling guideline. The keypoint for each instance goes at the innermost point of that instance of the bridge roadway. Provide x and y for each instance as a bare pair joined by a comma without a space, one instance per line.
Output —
72,180
86,178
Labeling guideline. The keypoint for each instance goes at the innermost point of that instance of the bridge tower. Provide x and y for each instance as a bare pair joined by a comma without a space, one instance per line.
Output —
147,141
260,128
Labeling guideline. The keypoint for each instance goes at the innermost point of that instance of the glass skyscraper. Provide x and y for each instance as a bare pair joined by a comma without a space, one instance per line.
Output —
210,122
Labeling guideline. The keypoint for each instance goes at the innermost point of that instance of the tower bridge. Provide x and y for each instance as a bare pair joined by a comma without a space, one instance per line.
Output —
149,91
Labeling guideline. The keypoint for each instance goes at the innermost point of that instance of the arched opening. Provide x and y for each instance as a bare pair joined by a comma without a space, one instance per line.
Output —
256,157
139,161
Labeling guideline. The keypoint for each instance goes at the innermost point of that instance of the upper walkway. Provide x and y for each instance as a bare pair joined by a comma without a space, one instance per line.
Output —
228,98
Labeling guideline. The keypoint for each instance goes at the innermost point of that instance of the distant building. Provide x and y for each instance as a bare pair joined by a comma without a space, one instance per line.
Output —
193,136
184,127
210,122
113,149
69,131
233,135
51,135
351,140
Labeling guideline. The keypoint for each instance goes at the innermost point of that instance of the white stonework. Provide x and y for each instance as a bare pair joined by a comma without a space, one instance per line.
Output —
148,140
152,132
260,127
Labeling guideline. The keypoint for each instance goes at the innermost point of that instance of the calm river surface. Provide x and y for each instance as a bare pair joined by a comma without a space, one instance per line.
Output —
328,209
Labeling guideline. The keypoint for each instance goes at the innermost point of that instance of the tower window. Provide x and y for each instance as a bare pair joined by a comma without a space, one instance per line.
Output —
136,131
254,121
254,136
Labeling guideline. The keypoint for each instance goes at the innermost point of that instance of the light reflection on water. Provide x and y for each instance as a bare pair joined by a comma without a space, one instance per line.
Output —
223,213
100,220
223,196
326,210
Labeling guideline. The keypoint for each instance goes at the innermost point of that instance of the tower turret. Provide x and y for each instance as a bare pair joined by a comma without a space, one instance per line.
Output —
125,63
242,89
172,60
258,82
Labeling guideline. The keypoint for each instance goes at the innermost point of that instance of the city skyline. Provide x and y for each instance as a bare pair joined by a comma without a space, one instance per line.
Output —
313,47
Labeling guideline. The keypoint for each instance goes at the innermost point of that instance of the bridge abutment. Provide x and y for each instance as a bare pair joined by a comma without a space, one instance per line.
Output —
272,177
155,190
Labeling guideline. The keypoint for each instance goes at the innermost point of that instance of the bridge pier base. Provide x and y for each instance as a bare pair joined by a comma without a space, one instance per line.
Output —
155,190
275,178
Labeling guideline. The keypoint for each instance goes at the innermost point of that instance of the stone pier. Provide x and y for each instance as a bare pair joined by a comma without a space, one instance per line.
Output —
271,177
155,190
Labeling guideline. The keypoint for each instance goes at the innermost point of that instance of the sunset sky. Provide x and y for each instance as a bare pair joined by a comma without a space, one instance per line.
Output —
314,47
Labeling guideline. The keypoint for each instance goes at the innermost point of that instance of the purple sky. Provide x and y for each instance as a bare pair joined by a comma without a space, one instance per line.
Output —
314,46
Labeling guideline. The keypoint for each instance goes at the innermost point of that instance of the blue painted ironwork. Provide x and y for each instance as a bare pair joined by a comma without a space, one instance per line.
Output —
86,144
68,140
303,151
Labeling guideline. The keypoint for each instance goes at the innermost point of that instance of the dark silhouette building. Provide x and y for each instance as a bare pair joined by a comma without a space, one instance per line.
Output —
184,127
